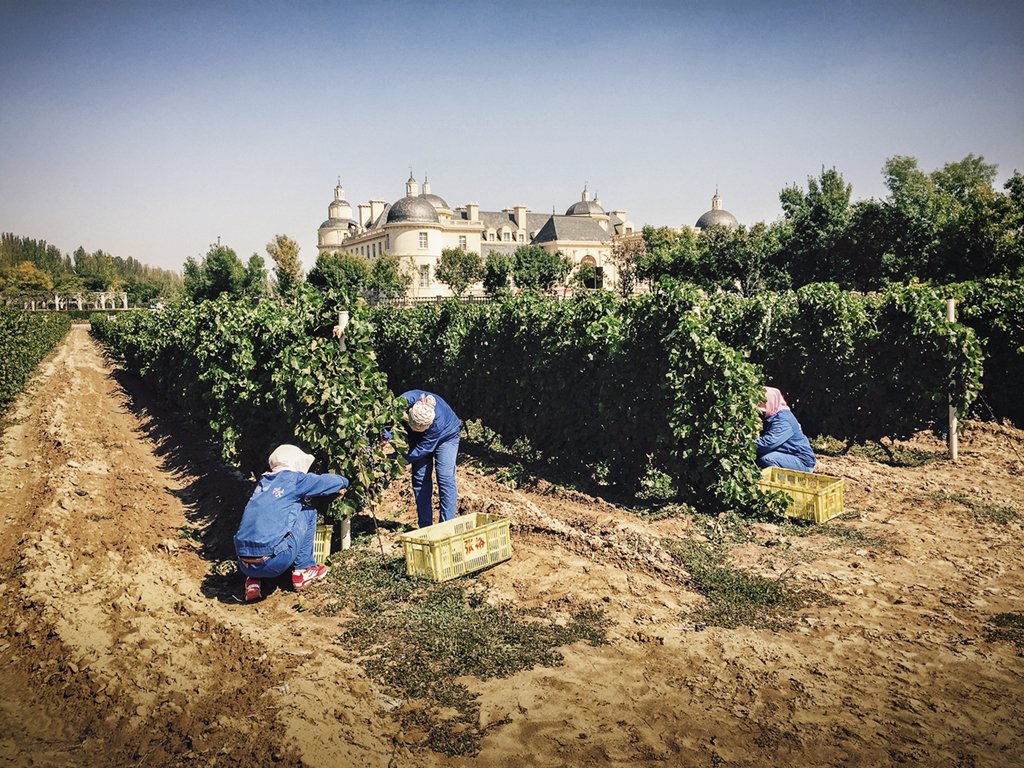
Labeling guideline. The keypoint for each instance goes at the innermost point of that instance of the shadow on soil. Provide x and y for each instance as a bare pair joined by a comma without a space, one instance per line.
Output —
213,493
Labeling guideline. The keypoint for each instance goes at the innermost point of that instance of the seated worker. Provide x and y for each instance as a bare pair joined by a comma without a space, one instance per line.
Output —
279,522
782,442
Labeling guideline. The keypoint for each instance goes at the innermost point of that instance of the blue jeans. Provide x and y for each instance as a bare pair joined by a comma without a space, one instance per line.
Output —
783,460
297,554
442,461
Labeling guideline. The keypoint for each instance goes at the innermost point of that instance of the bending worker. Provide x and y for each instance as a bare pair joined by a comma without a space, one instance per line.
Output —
782,442
433,430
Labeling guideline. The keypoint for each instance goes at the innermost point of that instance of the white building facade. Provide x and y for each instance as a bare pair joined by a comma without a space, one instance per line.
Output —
420,225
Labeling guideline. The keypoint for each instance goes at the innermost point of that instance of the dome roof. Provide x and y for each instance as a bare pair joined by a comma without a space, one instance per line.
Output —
346,224
339,209
717,217
435,200
412,209
585,208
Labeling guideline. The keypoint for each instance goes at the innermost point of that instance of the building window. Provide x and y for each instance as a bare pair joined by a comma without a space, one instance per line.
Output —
506,236
462,242
522,238
491,237
423,239
424,276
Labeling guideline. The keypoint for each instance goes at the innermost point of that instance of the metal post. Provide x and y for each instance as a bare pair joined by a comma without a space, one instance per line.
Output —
954,439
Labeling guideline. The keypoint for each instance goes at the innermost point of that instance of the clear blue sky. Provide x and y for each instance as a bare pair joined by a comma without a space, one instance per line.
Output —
150,129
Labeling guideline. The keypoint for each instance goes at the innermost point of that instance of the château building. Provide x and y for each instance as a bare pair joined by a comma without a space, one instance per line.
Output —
418,226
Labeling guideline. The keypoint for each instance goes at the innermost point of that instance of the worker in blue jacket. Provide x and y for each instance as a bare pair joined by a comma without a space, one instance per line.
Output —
782,442
279,522
433,430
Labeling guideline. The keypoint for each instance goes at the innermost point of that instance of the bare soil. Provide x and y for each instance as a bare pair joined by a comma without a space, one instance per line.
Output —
122,644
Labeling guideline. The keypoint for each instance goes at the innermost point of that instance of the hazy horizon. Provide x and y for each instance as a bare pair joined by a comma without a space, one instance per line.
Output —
148,130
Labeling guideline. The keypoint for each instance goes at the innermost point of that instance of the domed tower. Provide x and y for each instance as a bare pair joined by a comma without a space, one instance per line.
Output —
339,225
436,201
590,208
585,206
717,216
412,209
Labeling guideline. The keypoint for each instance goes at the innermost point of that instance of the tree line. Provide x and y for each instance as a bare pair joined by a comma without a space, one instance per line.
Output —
949,225
29,266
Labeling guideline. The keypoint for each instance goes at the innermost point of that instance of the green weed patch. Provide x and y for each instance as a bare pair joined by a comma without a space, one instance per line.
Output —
417,638
983,511
840,535
736,598
895,455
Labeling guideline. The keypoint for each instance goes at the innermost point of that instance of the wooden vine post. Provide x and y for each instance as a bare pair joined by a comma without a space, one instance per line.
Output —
954,441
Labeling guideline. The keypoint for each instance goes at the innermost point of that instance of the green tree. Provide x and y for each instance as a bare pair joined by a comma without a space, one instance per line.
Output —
497,271
254,279
950,224
668,253
219,272
738,259
815,245
287,270
534,268
627,255
340,274
388,280
1010,244
584,277
97,269
26,277
459,269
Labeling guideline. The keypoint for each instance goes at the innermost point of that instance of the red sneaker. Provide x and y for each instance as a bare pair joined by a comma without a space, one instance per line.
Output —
306,576
252,589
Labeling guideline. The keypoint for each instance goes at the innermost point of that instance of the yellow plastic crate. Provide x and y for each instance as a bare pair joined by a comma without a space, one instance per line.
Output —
813,497
456,547
322,543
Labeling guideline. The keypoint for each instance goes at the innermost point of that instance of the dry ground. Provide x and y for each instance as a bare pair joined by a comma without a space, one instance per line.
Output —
120,644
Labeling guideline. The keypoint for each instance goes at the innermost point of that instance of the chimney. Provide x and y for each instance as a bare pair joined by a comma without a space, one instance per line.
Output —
376,209
364,213
520,214
474,211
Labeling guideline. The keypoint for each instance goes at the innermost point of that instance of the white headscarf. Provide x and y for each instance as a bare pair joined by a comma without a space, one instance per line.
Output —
290,457
421,415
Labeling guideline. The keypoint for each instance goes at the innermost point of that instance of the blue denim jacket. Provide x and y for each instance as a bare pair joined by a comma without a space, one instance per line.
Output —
270,515
782,433
446,424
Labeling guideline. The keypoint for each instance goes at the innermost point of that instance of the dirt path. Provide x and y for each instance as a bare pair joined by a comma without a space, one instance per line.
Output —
121,645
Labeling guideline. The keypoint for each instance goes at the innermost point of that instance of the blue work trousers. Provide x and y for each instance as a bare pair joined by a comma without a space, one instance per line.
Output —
441,462
297,554
783,460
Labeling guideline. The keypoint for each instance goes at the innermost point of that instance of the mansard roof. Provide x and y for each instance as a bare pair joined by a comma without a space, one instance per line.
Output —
578,229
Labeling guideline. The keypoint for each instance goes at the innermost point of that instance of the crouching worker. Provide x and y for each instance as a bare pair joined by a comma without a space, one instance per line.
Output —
279,522
782,442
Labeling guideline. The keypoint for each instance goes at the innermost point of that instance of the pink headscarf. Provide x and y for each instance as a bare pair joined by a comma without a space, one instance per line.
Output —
773,402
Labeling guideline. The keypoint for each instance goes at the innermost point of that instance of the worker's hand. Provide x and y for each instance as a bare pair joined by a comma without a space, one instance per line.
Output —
337,332
342,492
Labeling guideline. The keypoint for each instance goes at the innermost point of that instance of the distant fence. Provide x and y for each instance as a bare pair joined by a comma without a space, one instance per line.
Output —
415,301
80,300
